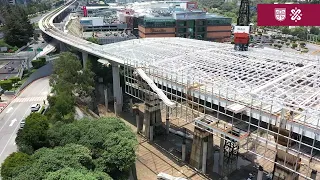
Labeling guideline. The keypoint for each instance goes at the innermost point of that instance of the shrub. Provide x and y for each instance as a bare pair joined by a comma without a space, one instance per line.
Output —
302,44
294,45
6,84
38,63
15,79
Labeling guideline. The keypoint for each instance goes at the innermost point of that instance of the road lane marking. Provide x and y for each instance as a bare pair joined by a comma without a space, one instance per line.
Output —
14,132
10,109
10,117
13,121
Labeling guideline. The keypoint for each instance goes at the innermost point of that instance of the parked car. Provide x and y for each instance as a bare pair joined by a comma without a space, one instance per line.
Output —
35,107
22,123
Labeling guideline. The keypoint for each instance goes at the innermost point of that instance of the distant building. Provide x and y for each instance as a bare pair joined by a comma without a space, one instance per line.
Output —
188,22
101,24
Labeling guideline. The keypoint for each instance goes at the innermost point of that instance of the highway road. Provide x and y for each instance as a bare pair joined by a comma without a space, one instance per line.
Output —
18,109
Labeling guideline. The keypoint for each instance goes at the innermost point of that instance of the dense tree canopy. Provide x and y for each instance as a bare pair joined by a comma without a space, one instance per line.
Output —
17,28
68,80
112,143
75,174
51,163
68,75
34,134
13,164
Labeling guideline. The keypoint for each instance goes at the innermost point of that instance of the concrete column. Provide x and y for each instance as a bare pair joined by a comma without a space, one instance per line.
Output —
147,123
116,87
314,174
84,59
27,63
131,106
106,98
204,156
151,133
138,123
221,154
62,47
183,151
115,106
260,173
167,120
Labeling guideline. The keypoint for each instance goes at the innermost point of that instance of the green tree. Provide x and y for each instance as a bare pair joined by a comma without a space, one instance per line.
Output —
15,79
93,40
287,44
47,160
61,107
17,29
210,4
294,45
13,163
112,143
314,30
279,46
302,44
285,30
38,63
300,32
68,74
69,173
6,84
33,136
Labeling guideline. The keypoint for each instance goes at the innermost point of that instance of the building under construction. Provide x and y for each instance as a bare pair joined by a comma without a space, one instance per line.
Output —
260,103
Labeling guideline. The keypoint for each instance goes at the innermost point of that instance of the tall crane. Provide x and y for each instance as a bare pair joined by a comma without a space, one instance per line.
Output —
242,30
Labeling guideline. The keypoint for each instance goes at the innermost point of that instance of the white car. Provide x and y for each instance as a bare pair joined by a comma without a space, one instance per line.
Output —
22,123
35,107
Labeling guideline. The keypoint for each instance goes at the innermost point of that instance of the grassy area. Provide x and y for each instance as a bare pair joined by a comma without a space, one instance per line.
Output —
10,48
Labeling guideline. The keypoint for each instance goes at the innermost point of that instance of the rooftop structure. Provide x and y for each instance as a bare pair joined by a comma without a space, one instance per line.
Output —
284,80
260,90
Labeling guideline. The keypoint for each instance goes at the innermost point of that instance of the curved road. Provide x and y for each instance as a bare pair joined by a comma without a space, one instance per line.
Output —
18,109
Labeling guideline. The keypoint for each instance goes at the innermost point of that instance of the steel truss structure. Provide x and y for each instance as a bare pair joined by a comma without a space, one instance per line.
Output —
272,97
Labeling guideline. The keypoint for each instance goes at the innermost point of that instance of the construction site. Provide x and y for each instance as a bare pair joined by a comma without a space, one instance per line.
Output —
259,104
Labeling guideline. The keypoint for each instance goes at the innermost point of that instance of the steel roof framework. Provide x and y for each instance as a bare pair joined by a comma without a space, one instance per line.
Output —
218,65
273,84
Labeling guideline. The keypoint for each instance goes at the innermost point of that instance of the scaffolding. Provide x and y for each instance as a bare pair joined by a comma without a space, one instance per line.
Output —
269,98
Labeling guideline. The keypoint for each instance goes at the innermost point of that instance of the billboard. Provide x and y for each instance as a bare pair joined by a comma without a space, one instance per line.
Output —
86,22
241,29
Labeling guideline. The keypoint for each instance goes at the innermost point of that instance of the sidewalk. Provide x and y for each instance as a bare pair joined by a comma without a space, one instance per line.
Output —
5,101
151,159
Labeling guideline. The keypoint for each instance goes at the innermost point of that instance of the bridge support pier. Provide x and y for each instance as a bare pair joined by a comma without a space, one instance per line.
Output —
62,47
201,149
152,116
117,92
84,59
260,173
